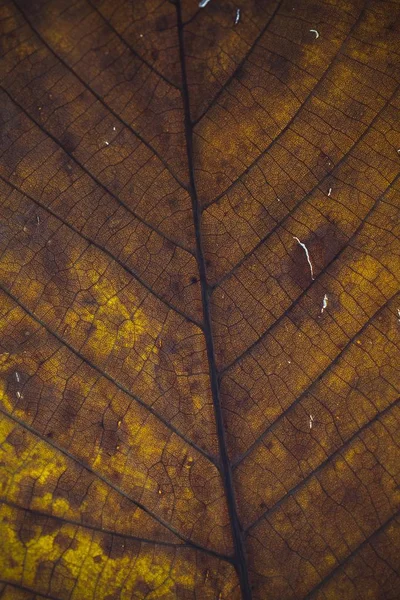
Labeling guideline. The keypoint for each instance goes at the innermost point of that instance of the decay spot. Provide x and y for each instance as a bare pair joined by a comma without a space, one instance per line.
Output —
64,541
113,547
26,532
69,142
326,242
323,246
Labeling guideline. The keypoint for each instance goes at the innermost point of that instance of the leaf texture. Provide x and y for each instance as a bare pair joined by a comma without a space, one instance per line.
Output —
200,302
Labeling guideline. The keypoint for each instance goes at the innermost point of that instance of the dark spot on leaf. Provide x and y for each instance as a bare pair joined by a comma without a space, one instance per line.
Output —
162,23
113,546
63,540
173,202
69,141
279,66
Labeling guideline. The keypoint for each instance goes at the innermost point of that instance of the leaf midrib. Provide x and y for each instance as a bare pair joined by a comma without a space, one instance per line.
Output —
240,561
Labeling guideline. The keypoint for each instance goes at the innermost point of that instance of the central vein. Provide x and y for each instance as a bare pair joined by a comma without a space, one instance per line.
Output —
225,466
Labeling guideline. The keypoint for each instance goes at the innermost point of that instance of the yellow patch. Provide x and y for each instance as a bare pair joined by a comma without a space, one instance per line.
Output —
33,461
4,397
88,566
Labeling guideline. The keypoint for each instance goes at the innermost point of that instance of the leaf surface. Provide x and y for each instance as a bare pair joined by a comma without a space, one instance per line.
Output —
199,284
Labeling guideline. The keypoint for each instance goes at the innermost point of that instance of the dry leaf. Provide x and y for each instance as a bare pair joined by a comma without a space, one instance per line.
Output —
199,265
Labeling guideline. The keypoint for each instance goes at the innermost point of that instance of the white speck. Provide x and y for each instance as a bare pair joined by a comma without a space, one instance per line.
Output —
141,35
237,18
19,395
289,362
324,303
398,314
329,192
114,128
17,376
278,199
203,3
316,33
107,143
398,151
311,421
307,255
37,220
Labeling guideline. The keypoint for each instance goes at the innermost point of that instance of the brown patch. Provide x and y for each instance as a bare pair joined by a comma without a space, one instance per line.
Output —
17,438
173,203
323,245
25,494
113,547
170,246
143,589
241,73
55,265
66,494
68,409
326,243
108,440
176,287
64,541
300,451
50,526
161,23
26,532
351,497
279,66
44,571
69,141
13,563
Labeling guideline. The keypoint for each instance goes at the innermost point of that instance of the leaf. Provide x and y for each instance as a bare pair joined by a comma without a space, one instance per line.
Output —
200,302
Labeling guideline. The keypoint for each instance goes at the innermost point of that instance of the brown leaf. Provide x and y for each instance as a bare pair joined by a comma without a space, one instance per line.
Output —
200,307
